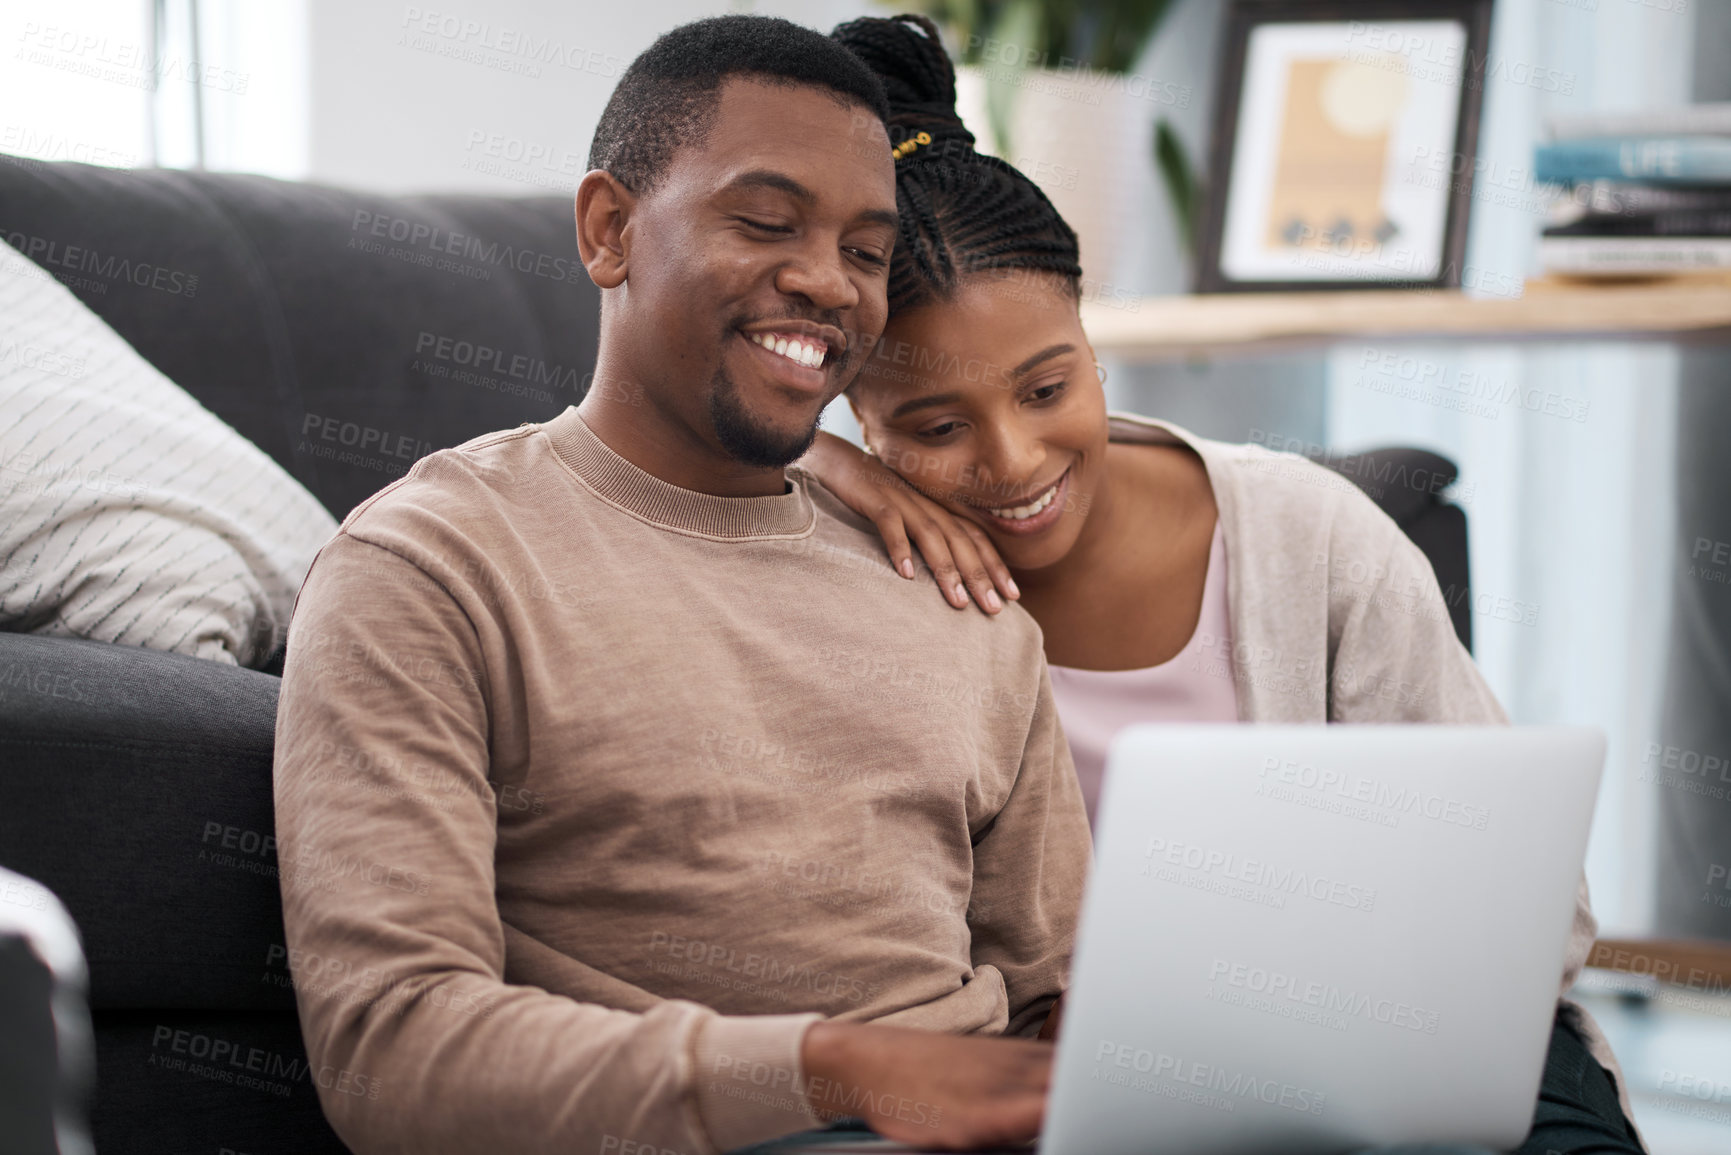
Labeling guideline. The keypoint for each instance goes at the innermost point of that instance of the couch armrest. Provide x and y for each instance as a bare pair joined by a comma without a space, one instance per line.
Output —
1409,485
136,785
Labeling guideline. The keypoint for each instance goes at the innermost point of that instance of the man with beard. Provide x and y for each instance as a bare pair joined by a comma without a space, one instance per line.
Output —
736,831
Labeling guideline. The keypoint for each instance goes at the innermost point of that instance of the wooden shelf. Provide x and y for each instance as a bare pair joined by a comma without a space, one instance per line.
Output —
1155,328
1694,964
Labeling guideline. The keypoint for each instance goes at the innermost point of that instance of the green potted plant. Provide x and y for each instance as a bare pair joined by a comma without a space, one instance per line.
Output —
1049,86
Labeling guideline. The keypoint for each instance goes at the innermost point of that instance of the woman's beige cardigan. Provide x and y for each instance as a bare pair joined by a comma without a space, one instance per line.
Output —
1337,617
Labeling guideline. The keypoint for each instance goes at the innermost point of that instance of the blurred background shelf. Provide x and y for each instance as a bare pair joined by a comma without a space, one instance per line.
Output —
1692,964
1159,328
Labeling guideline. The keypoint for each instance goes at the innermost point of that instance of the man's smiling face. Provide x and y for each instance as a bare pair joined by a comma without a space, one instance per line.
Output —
760,265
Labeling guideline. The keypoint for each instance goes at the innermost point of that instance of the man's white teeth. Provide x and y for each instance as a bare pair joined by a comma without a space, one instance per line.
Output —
1023,512
808,354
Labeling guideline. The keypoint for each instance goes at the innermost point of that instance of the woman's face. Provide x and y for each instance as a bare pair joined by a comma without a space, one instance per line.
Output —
990,405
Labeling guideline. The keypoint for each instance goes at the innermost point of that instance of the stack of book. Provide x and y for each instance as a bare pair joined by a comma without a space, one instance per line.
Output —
1641,193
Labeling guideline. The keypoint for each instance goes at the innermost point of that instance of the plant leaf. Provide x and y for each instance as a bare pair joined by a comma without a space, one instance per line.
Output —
1179,178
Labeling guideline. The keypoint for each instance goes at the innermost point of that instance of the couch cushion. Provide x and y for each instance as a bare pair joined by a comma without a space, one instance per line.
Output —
136,785
344,333
189,1081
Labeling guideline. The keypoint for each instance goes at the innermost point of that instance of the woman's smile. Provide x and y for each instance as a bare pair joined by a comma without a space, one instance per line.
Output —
1027,518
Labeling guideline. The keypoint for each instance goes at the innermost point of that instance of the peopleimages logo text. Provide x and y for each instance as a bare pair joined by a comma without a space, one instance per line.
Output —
53,254
485,358
1232,1085
1370,792
1323,996
1254,872
438,240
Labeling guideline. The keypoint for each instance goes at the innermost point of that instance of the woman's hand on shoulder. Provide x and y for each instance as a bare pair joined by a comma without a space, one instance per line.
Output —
957,551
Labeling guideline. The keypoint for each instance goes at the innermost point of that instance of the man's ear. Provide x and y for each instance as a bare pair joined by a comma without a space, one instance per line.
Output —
603,210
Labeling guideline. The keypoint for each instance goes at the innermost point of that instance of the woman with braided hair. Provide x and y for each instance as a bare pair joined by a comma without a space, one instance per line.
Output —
1175,578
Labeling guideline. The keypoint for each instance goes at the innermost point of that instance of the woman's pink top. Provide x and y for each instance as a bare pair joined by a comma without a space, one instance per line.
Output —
1194,686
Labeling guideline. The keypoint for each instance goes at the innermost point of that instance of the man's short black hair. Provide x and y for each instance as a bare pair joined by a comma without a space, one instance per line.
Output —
667,98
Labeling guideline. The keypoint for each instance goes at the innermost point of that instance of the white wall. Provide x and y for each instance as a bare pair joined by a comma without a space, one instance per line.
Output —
494,97
264,128
71,87
83,80
1569,519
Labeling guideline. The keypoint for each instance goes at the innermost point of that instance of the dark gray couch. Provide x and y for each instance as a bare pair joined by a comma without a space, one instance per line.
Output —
345,334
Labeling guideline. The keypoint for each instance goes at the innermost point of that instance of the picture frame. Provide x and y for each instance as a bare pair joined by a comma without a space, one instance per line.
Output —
1344,138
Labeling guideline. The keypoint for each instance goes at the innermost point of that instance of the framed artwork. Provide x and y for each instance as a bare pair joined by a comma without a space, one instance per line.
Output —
1344,140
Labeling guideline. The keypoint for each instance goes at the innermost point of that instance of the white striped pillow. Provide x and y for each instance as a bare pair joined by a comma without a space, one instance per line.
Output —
129,513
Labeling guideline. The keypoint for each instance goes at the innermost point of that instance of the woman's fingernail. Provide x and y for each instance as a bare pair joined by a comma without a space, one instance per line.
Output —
1014,592
907,568
961,593
992,602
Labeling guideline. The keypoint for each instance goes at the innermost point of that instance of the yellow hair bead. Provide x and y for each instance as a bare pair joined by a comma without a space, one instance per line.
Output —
907,146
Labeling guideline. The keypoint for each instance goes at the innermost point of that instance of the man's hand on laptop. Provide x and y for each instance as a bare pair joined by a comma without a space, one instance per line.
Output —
928,1089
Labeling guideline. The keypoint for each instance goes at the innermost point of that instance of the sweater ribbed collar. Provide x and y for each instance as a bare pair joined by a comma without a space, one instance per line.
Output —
648,498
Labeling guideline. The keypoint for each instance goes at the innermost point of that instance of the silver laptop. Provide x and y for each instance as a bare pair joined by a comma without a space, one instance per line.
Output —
1321,938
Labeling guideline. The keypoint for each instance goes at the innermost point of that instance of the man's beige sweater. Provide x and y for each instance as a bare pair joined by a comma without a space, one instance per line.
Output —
593,793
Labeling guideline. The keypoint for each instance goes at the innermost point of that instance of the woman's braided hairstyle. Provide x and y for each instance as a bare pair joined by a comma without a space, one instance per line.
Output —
961,212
